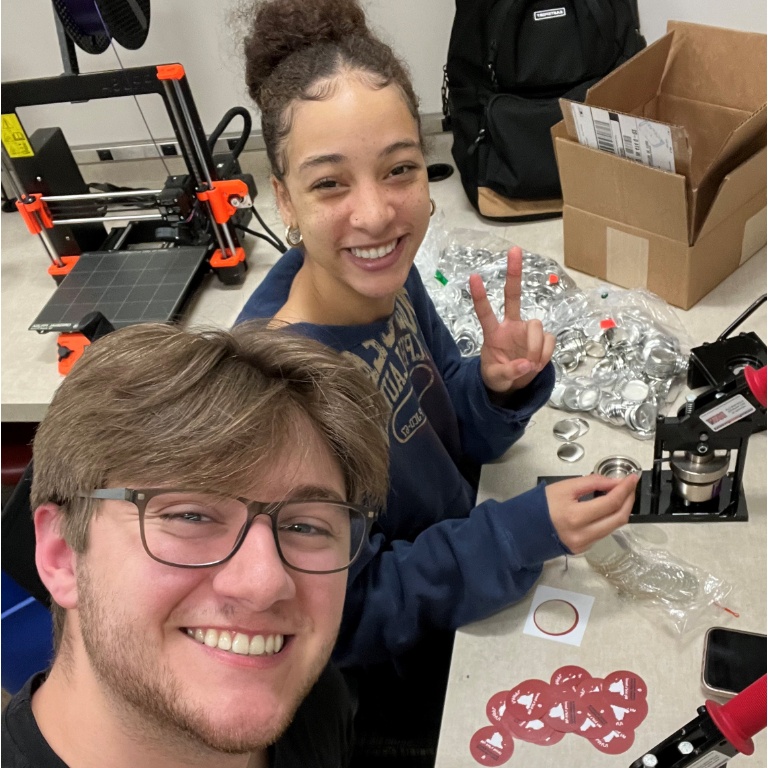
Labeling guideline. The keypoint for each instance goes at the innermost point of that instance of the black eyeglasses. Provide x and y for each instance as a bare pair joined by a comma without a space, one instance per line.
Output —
189,529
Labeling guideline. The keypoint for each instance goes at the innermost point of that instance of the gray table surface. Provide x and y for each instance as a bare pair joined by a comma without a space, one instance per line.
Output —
494,654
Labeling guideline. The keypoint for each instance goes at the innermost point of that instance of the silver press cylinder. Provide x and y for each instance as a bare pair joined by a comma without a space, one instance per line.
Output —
698,478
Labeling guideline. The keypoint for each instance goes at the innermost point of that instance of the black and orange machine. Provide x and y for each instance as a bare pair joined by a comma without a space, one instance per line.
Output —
123,256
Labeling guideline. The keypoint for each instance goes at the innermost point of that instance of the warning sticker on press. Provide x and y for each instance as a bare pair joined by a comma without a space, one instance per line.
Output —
727,412
633,138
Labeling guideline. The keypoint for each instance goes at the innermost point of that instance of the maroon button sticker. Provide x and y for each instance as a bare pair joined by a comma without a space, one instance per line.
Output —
615,742
625,684
528,700
569,675
564,712
496,707
596,720
628,714
589,685
535,731
551,738
491,746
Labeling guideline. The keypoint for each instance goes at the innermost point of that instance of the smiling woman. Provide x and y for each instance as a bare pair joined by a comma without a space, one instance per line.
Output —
341,126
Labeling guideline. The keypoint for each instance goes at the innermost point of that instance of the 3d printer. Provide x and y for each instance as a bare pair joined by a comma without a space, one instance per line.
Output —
145,269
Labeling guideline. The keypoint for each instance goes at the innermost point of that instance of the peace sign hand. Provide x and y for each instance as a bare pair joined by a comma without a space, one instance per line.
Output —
513,350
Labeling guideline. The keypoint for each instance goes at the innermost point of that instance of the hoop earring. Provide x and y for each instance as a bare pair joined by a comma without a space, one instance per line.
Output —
293,236
434,207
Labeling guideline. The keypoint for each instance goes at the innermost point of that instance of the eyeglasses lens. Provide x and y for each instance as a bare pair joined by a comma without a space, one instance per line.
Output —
197,529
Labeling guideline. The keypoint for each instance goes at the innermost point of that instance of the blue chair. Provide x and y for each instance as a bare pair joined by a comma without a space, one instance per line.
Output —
27,635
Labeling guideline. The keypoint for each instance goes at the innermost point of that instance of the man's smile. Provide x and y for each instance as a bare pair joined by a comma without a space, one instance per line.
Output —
238,642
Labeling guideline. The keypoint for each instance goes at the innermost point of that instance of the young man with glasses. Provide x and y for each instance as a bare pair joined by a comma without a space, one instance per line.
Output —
198,499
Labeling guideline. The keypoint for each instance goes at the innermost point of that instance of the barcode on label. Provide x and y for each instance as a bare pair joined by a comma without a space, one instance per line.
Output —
644,141
728,412
604,136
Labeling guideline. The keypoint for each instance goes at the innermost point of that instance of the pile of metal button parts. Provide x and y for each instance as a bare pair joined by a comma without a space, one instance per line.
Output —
620,362
543,285
618,355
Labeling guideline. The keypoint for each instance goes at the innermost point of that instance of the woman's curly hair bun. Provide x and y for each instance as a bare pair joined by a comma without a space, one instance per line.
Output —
282,27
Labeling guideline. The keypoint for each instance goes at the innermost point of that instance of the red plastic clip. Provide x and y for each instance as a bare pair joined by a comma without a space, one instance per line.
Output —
170,71
218,260
218,197
65,269
70,348
27,206
607,323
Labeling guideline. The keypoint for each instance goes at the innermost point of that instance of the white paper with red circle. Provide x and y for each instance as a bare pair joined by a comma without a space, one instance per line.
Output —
581,604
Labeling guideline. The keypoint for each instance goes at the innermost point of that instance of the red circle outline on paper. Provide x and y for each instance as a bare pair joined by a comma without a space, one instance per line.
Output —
557,634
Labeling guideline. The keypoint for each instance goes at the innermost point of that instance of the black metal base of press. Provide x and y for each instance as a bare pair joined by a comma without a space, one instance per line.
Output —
669,508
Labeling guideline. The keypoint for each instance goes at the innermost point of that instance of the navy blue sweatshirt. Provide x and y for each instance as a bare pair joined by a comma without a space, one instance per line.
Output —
434,560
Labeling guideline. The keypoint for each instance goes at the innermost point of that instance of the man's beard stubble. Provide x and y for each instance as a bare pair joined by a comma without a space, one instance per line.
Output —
148,696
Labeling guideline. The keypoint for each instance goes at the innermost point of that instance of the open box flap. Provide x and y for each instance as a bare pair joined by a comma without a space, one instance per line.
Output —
709,64
636,82
736,189
748,139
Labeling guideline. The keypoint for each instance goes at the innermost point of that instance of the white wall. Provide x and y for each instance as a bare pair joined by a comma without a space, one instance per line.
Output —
198,33
749,15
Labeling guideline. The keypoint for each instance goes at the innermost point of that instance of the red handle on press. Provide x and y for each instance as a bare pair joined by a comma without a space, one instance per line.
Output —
756,382
743,716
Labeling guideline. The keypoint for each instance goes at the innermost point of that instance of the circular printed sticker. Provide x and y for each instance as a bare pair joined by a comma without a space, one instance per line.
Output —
569,675
625,684
551,738
615,742
589,685
596,719
496,707
491,746
565,712
535,731
528,700
628,714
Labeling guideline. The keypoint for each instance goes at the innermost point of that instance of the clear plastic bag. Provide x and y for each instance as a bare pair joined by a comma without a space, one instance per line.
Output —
623,352
620,355
446,259
686,596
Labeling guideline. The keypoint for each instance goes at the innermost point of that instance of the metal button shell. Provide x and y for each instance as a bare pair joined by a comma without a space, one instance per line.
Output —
570,452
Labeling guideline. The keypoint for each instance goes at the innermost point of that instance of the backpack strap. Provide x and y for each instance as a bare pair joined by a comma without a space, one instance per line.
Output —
606,25
494,25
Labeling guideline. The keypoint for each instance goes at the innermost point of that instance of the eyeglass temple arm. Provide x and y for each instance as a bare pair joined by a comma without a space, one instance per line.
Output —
119,494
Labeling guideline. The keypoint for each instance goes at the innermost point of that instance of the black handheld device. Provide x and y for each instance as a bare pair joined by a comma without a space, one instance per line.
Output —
733,659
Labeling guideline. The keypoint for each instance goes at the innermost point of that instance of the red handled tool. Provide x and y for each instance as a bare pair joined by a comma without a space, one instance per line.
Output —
720,731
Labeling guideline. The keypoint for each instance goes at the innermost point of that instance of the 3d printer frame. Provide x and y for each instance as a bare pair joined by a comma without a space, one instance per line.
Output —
219,199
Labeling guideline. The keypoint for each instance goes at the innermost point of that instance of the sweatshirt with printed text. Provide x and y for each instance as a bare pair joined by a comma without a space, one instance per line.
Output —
435,560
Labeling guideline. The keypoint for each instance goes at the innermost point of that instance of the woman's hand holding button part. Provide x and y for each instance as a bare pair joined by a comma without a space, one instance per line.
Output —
579,524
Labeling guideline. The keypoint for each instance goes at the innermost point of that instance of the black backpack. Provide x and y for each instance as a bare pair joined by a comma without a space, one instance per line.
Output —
509,61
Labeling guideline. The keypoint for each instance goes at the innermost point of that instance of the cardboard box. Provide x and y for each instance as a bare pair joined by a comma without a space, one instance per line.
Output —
677,234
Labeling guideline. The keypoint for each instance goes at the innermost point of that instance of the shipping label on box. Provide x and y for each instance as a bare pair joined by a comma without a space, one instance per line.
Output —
649,142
